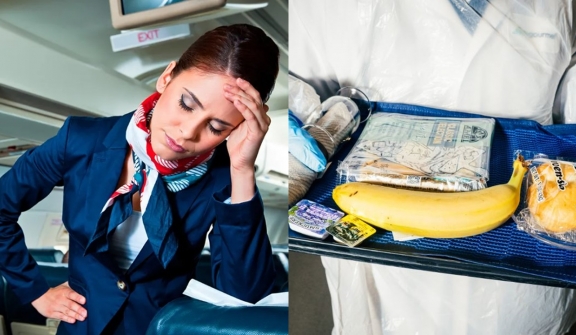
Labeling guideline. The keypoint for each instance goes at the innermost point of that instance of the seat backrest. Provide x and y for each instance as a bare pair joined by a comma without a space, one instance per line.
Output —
3,330
46,255
27,329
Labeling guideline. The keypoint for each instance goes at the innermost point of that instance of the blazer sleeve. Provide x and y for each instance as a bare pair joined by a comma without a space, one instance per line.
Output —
30,180
242,264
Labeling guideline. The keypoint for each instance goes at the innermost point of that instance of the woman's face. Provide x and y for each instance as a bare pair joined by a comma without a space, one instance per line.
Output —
192,115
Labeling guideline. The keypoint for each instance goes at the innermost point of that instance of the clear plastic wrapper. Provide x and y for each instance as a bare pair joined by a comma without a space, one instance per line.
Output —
547,210
303,100
340,118
443,154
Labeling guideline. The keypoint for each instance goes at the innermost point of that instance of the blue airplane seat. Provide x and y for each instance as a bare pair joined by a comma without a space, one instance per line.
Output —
46,255
189,316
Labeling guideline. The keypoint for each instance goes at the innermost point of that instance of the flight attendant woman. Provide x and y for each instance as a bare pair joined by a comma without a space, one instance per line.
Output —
142,190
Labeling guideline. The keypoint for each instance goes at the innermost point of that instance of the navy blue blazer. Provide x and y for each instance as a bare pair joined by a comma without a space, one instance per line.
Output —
87,156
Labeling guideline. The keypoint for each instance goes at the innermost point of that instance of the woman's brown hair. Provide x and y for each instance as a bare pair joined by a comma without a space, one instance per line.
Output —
240,50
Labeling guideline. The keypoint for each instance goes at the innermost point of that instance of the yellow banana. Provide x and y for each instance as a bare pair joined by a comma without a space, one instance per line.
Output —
431,214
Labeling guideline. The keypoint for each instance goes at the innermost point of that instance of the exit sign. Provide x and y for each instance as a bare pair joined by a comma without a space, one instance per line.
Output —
139,38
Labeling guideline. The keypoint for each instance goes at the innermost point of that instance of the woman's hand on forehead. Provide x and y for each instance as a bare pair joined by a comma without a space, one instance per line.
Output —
244,141
246,98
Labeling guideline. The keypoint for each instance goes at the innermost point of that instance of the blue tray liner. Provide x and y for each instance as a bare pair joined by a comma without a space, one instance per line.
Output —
505,247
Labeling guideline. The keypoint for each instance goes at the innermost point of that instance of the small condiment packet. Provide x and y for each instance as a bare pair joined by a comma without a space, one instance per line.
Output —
350,230
311,218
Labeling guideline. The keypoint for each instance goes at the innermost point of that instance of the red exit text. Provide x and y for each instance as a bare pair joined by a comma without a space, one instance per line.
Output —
148,35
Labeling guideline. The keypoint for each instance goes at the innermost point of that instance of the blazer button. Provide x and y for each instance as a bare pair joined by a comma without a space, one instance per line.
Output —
121,285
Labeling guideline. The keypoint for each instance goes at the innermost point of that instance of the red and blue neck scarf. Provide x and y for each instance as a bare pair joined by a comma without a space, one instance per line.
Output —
148,166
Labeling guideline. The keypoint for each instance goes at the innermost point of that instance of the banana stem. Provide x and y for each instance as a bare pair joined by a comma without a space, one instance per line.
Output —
520,170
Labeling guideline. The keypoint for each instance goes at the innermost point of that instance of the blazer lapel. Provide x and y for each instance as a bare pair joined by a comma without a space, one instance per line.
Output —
103,175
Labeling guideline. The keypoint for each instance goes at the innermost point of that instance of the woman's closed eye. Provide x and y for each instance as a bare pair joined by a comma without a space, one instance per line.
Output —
215,131
183,104
186,107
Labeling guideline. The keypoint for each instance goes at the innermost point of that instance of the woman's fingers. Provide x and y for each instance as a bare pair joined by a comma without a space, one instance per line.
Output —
76,310
249,89
237,90
71,304
69,312
250,110
72,295
246,90
248,101
258,113
63,317
61,303
250,119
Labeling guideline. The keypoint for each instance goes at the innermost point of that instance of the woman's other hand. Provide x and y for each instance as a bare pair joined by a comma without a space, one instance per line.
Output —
244,141
62,303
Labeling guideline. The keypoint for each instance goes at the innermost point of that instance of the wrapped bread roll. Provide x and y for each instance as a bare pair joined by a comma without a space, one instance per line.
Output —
552,196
